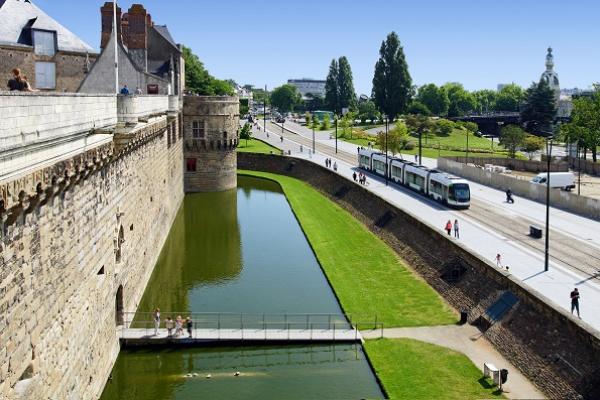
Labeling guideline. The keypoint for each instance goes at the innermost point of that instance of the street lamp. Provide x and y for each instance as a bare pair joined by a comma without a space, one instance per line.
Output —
265,110
467,158
386,149
420,130
313,132
336,132
548,156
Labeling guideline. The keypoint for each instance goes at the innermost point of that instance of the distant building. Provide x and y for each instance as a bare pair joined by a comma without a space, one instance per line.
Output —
52,57
149,58
306,86
564,104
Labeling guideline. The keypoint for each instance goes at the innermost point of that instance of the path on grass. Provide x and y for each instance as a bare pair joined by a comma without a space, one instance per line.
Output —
468,340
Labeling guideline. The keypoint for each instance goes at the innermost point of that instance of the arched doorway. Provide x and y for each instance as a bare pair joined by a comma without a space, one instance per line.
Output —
119,306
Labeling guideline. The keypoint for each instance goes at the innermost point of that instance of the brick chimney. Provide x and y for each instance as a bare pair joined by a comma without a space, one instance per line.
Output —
106,13
139,21
125,29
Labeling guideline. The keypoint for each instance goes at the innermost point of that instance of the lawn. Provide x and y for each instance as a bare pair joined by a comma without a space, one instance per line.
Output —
410,369
256,146
367,276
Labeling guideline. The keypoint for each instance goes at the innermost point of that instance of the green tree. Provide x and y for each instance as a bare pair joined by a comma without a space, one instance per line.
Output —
434,98
316,122
314,102
509,98
392,84
418,108
486,100
397,139
307,118
445,127
285,98
585,124
332,91
531,144
539,110
259,95
461,101
246,132
367,110
512,137
199,81
346,94
326,123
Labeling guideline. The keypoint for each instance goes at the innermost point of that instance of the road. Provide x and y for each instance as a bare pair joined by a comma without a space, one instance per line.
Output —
489,227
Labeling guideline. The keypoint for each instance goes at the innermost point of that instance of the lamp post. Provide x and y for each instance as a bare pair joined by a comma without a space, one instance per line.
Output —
467,158
579,168
547,245
386,150
265,110
313,132
420,147
336,132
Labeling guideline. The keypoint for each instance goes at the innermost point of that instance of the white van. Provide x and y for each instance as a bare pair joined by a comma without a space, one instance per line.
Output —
560,180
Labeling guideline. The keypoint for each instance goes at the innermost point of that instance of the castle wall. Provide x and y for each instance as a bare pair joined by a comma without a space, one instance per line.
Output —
68,255
211,149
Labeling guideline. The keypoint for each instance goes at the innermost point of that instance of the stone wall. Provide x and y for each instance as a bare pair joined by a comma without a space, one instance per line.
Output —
536,336
586,166
70,67
568,201
212,147
80,247
514,164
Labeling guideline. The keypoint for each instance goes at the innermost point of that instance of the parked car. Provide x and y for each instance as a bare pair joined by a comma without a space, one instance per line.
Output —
558,180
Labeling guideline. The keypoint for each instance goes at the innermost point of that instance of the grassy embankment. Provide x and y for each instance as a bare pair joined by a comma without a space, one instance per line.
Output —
256,146
370,279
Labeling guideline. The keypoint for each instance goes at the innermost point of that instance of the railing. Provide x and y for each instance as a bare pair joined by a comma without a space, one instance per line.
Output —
313,325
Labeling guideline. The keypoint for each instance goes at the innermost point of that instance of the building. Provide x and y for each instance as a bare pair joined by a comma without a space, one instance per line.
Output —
148,57
564,104
306,86
52,57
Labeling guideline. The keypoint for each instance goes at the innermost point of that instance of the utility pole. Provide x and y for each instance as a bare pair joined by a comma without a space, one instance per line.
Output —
420,147
547,246
336,133
313,133
265,110
467,158
116,46
386,151
579,168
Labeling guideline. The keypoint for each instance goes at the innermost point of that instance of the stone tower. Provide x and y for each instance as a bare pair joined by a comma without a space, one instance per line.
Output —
550,76
211,135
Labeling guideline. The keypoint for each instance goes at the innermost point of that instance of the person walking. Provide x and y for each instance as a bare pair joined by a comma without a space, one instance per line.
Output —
456,233
169,324
416,158
354,176
509,198
178,326
498,260
335,166
575,302
189,324
449,227
156,319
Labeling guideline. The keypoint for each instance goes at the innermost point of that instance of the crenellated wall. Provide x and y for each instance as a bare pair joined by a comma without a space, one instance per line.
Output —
79,239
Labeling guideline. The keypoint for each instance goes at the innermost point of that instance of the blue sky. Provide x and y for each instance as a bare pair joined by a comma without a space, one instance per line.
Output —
478,43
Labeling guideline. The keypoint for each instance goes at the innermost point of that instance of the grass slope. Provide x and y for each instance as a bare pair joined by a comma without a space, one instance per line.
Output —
366,274
256,146
410,369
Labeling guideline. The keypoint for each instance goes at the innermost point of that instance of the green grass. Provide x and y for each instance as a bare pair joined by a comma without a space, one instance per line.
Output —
410,369
256,146
367,276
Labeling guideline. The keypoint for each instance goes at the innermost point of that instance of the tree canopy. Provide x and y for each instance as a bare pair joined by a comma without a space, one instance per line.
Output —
461,101
585,124
332,91
347,96
392,84
434,98
367,110
539,110
285,98
512,137
509,98
199,81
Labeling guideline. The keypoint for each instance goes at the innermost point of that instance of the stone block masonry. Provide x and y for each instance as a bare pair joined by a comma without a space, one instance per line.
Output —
76,252
557,352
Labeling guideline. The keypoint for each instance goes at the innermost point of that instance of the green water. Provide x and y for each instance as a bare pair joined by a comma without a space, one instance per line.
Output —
240,251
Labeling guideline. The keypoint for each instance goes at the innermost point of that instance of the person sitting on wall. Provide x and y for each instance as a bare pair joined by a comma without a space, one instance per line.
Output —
125,90
14,83
138,90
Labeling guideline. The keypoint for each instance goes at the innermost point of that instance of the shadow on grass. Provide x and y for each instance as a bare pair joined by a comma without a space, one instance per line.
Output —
484,383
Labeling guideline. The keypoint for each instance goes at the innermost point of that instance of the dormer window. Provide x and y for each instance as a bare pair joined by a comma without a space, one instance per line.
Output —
44,42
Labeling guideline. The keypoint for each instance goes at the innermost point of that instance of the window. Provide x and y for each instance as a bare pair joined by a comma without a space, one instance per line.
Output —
190,164
44,43
198,129
45,75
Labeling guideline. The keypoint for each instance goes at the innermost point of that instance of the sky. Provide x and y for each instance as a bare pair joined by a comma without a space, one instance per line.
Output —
479,43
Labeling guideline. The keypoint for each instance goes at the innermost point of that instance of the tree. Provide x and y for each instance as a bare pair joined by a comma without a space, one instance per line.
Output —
397,139
332,93
259,95
539,109
346,94
199,81
531,144
461,101
367,110
418,108
485,100
512,137
285,98
307,119
316,122
445,127
326,123
246,132
434,98
392,84
585,124
314,102
509,98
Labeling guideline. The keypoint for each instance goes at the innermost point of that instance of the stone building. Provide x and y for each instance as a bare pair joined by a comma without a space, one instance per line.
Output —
148,57
211,136
564,104
52,57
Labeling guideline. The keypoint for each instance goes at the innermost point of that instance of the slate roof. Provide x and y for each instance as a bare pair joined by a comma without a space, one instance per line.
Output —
18,15
164,32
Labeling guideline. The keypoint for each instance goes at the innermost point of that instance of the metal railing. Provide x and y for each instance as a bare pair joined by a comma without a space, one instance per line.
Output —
251,323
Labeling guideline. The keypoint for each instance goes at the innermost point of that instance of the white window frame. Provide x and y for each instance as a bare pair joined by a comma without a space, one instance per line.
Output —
45,79
198,131
44,42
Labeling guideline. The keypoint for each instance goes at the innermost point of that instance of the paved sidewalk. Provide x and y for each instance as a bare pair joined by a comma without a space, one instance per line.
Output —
525,263
468,340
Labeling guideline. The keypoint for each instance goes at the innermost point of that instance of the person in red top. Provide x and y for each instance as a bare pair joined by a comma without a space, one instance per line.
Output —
449,227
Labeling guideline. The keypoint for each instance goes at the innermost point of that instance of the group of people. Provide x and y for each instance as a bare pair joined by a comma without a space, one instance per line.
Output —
19,82
362,178
449,227
174,327
328,164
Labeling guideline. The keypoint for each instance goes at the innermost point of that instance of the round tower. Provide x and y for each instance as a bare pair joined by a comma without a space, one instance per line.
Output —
550,76
211,135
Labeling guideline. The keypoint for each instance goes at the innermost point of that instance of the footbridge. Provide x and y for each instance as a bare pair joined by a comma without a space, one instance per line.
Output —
140,329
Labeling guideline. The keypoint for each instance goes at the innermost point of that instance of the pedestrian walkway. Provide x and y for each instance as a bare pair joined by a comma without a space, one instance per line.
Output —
468,340
525,263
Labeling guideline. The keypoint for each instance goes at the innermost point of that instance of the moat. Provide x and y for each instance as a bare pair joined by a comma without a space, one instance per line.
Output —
240,251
